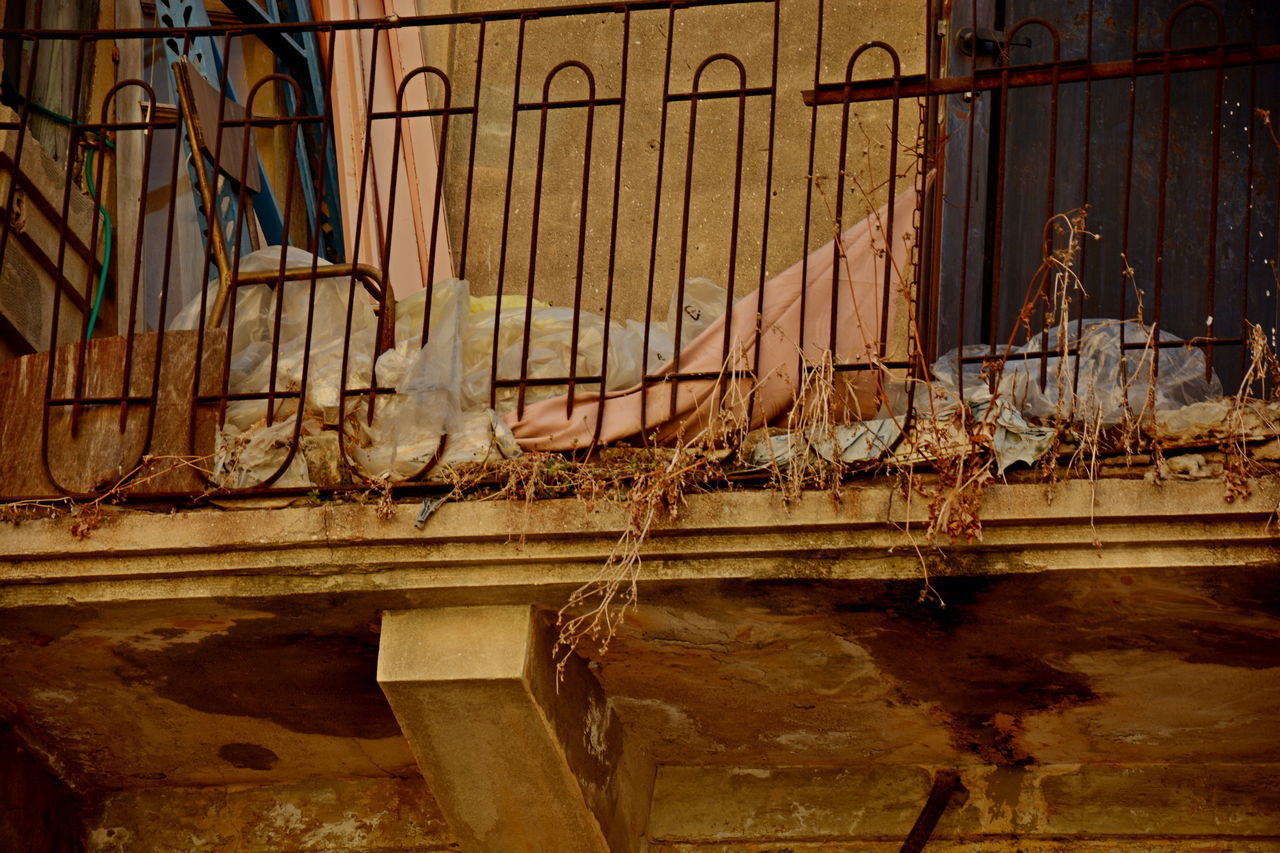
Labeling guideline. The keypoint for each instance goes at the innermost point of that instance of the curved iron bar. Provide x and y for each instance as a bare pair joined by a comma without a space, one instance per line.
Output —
613,240
126,399
135,285
536,222
428,270
896,77
690,153
1177,13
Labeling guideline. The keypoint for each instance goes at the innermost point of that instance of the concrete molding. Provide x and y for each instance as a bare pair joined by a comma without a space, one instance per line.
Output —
490,552
519,757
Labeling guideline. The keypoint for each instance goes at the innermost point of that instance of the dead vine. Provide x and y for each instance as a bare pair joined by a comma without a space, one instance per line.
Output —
90,515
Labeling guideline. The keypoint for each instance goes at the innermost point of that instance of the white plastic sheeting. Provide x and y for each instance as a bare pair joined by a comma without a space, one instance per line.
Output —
1102,389
1093,383
442,388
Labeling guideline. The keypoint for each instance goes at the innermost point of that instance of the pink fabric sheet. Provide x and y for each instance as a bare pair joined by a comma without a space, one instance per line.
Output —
859,285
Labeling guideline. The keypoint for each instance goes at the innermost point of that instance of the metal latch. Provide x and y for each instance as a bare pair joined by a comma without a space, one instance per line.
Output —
988,42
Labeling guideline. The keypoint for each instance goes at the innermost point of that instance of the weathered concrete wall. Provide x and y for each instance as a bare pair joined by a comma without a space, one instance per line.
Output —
742,30
38,812
1049,809
741,805
390,815
1104,669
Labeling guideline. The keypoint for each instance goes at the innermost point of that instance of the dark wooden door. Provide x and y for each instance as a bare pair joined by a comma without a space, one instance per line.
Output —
1179,175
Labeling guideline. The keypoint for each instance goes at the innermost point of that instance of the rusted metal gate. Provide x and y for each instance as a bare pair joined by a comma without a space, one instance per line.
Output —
1154,116
600,157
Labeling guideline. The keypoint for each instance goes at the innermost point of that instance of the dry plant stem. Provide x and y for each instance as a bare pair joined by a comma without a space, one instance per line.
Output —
596,610
1265,117
908,488
1263,367
88,516
951,509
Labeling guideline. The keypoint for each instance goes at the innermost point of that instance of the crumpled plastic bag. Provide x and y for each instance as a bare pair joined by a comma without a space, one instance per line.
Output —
480,437
441,388
407,426
550,353
246,458
1016,440
1100,391
252,335
248,448
701,304
863,441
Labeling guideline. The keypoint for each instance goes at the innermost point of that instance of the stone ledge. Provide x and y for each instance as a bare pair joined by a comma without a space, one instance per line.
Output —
510,550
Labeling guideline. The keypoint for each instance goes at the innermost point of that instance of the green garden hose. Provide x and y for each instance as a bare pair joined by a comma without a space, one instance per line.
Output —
106,253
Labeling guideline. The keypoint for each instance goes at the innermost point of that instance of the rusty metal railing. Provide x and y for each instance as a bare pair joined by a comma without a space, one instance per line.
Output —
625,189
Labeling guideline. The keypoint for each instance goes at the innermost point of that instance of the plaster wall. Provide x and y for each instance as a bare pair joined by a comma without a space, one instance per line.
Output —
744,30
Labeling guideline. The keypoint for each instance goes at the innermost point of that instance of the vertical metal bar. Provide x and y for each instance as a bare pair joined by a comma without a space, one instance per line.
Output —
657,219
802,366
397,138
437,204
583,210
932,156
837,248
764,228
1214,183
162,320
361,195
968,210
326,101
291,176
997,247
1126,270
919,332
613,241
536,213
228,263
1051,181
203,305
471,151
1246,258
1087,166
57,279
134,285
506,218
1162,176
73,138
887,294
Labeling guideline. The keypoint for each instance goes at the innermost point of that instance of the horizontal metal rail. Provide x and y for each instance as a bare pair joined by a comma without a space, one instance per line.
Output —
1043,74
